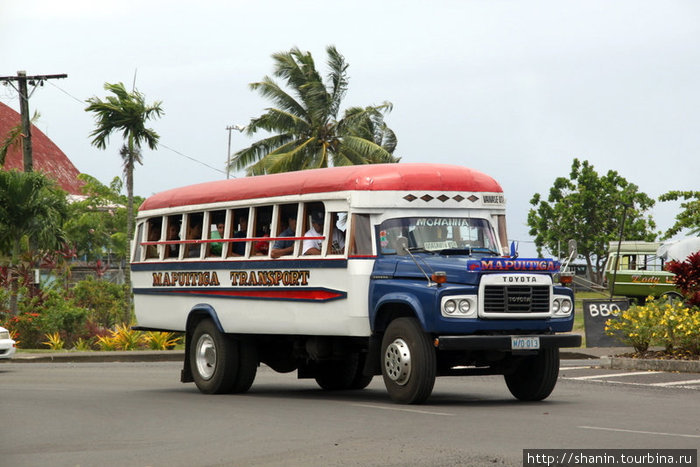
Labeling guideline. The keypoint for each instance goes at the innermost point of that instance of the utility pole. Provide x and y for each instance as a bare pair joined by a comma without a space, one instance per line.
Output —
22,80
228,156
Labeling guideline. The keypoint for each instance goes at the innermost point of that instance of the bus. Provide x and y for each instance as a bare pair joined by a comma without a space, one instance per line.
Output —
637,272
346,273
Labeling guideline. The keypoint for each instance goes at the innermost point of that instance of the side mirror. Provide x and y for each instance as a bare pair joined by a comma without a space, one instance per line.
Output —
514,249
402,246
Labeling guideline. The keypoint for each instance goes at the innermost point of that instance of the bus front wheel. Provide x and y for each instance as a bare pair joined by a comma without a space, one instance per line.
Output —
534,378
408,362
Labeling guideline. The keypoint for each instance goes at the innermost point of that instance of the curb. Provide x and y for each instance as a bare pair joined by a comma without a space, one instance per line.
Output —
101,357
625,363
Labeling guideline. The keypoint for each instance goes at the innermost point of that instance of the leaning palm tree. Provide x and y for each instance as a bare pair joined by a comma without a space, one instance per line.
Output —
14,138
125,112
31,207
306,131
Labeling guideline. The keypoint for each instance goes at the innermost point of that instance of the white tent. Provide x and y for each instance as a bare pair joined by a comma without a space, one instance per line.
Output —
679,250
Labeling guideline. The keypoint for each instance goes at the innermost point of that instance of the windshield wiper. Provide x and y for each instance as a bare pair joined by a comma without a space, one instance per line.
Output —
485,250
419,249
456,251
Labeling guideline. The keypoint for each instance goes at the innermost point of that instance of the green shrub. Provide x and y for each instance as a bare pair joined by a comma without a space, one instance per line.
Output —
671,324
105,300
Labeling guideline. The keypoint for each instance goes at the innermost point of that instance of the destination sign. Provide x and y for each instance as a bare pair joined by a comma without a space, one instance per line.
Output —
507,264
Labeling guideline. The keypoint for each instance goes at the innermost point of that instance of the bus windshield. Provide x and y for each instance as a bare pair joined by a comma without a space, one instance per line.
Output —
439,233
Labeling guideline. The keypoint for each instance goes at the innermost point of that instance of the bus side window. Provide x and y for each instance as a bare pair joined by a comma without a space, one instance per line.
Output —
194,232
360,235
338,226
138,247
172,234
239,227
262,220
217,225
153,235
286,227
314,218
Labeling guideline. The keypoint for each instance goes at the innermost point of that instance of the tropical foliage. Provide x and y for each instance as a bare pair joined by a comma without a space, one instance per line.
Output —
96,225
590,208
306,131
13,138
689,217
670,324
127,113
32,211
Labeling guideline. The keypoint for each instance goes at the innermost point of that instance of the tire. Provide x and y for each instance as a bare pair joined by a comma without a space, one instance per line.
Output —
213,359
336,375
534,378
361,380
247,366
408,362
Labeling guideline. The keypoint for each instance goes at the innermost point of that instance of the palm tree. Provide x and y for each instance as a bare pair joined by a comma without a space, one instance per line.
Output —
31,207
306,131
13,138
125,112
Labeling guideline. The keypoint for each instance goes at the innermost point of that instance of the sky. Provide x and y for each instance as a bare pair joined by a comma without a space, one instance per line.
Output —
516,89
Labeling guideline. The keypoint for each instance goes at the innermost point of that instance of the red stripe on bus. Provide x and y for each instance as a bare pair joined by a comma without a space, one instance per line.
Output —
286,294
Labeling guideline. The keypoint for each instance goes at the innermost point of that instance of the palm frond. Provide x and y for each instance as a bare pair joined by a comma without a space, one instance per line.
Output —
271,90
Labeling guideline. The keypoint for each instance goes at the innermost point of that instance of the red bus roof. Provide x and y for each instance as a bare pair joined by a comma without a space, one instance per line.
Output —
371,177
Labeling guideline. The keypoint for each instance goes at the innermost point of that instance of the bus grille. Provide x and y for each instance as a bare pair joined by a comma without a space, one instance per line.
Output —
516,299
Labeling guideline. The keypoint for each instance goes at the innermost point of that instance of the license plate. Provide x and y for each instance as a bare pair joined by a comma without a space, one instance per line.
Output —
524,343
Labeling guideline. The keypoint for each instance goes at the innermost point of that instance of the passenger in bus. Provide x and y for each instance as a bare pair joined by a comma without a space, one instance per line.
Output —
215,234
286,247
173,234
338,236
194,233
261,247
313,246
153,236
238,248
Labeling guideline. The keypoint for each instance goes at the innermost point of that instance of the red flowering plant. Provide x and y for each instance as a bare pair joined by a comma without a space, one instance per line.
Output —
687,278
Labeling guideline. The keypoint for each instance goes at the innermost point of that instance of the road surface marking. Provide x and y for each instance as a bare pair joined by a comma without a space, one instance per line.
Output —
614,375
677,383
399,409
681,435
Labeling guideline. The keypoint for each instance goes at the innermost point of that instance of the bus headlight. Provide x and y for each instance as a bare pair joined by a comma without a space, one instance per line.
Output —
459,306
562,306
464,306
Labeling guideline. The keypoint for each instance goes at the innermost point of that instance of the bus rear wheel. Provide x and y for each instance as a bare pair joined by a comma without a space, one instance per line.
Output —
347,373
408,362
534,377
221,364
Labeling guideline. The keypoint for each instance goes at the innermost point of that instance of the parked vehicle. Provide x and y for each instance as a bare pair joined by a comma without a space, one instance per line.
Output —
7,344
638,272
344,273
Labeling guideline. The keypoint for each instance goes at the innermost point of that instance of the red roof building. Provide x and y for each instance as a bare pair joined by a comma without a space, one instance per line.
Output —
48,158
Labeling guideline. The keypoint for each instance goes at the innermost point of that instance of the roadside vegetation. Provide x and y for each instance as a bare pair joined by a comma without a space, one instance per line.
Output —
671,324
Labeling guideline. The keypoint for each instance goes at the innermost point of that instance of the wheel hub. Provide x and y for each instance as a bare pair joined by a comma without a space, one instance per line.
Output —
397,361
205,356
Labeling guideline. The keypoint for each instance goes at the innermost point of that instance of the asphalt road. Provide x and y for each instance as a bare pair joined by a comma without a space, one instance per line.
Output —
139,414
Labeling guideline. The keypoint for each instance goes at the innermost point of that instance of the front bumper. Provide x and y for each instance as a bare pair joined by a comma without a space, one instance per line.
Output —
503,342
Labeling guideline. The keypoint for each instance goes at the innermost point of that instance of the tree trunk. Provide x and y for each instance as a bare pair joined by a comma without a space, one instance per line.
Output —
129,229
12,281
